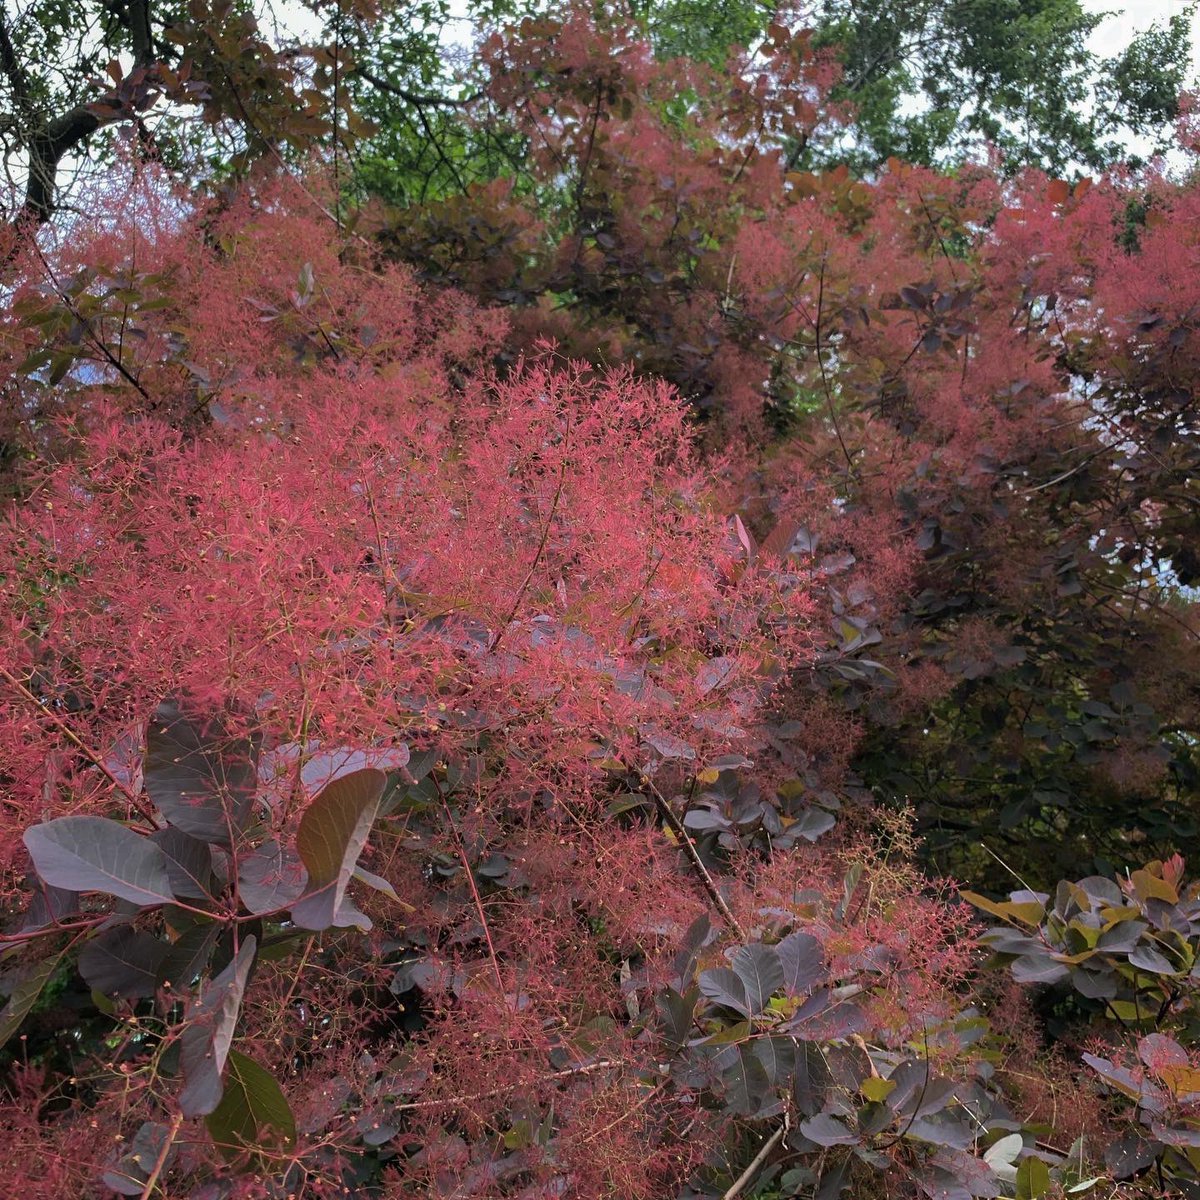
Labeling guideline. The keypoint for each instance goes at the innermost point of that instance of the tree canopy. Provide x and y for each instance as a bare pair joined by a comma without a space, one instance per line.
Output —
613,620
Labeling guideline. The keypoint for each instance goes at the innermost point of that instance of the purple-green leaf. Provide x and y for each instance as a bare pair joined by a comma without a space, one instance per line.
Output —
331,836
205,1043
93,854
252,1105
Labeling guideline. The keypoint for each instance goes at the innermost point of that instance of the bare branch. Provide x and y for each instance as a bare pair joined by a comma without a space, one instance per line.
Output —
415,98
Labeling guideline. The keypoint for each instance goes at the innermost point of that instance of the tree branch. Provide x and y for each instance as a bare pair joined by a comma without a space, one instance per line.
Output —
48,142
416,98
47,147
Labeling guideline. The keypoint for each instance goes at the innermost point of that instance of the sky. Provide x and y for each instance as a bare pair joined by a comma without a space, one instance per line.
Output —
1129,19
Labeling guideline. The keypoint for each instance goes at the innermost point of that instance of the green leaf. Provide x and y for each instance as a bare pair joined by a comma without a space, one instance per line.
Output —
1028,912
205,1044
93,854
877,1088
25,995
252,1109
1033,1178
331,836
730,1035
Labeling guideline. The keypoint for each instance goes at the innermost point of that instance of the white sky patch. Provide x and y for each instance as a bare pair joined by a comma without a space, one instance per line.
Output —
1128,20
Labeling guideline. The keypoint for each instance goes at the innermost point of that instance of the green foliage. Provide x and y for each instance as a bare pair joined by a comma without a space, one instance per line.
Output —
931,80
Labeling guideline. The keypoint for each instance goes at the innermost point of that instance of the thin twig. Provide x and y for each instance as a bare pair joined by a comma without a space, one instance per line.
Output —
829,401
689,848
466,865
79,744
537,558
161,1160
567,1073
740,1183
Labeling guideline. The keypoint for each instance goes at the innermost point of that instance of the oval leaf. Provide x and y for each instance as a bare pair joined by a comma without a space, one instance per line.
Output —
331,836
803,961
93,854
724,986
252,1110
270,879
758,968
123,962
205,1043
202,779
827,1131
189,863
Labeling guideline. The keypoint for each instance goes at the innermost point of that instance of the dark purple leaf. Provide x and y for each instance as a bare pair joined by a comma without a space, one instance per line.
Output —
724,986
812,823
1157,1050
761,974
745,1081
122,962
1096,985
698,935
820,1019
778,1057
270,879
189,863
187,957
130,1174
667,744
677,1013
975,1174
1146,958
834,1181
828,1131
803,961
1175,1135
811,1080
48,905
202,778
941,1130
1130,1154
940,1184
1038,968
